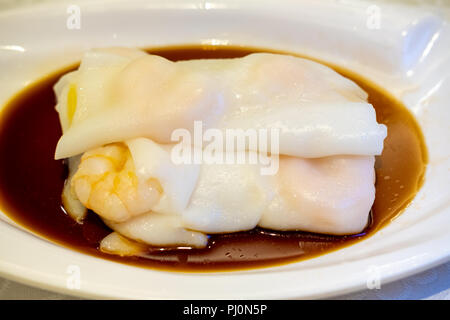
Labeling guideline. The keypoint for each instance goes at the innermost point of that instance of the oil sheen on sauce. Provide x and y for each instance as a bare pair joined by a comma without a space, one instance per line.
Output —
31,182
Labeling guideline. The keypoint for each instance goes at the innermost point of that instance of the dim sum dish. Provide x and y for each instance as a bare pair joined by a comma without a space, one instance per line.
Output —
213,161
118,109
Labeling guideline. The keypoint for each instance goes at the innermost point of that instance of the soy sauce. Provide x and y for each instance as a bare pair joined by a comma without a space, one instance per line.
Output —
31,181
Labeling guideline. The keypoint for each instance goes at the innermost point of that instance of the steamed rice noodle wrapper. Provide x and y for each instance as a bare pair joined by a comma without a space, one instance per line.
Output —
125,96
328,137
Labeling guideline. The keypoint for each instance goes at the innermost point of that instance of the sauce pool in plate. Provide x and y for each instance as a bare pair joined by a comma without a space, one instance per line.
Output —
31,181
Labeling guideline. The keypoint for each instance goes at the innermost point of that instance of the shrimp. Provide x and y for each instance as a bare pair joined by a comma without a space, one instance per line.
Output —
106,183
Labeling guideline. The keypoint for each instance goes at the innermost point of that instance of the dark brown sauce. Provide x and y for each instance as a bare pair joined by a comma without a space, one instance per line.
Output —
31,182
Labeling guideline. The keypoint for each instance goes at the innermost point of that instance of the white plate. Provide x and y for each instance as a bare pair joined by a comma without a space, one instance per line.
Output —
405,49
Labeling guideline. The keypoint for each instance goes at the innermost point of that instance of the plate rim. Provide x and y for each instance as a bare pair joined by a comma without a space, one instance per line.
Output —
13,275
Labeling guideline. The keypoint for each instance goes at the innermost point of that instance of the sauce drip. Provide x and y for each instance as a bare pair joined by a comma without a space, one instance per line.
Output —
31,182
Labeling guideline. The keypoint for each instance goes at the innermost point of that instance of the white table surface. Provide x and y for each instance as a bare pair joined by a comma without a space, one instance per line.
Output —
431,284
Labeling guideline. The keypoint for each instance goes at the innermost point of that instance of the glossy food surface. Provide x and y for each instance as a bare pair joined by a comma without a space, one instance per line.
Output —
31,182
